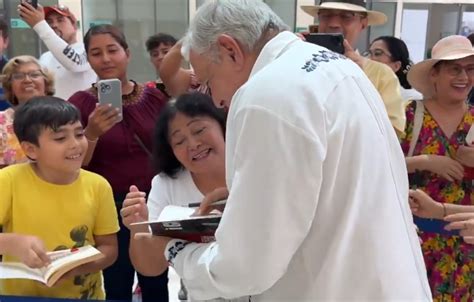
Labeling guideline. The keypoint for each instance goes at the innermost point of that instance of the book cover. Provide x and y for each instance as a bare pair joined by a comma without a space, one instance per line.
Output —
179,222
61,263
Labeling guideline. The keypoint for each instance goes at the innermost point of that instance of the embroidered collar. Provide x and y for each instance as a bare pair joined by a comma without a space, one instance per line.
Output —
273,49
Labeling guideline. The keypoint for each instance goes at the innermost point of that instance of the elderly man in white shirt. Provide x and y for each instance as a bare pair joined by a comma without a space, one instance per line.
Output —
318,190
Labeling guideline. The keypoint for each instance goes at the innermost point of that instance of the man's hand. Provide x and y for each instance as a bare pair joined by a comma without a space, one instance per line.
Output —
30,250
207,204
463,222
353,55
29,14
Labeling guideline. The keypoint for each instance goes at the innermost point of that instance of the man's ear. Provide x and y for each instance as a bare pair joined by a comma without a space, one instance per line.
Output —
230,49
29,149
364,23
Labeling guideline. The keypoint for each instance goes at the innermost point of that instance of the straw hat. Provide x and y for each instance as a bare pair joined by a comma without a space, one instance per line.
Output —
374,17
446,49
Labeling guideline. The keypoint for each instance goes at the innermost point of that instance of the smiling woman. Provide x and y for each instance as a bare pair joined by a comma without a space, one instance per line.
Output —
119,147
23,79
189,154
440,158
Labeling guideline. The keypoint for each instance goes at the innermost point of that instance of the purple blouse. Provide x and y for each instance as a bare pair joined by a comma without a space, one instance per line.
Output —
118,156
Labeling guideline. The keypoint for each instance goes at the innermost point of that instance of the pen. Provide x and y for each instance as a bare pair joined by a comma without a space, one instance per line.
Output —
198,204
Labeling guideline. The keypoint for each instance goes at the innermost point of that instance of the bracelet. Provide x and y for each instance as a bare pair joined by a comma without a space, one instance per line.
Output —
444,210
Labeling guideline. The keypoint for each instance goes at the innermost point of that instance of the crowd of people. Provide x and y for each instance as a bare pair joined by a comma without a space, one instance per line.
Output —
334,166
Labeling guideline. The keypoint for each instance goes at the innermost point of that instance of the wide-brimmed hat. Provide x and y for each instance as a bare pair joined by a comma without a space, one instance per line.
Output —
374,17
447,49
60,9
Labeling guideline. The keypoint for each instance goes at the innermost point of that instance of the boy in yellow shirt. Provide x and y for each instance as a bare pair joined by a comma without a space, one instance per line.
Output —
52,204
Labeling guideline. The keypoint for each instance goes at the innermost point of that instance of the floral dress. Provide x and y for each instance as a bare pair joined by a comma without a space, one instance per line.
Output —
10,149
449,260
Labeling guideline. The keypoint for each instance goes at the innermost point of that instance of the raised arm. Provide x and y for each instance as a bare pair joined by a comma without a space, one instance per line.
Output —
177,80
63,52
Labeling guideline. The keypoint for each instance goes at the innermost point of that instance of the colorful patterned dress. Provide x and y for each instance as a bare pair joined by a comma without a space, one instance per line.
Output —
10,149
449,260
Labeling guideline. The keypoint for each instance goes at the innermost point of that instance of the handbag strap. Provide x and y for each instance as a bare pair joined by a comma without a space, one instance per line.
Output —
417,124
142,145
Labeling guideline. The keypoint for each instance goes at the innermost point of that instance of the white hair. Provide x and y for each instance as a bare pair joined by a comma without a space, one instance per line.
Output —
247,21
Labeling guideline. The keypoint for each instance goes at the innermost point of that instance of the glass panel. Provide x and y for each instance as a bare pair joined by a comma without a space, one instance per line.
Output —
23,40
199,3
286,9
414,31
137,19
389,9
444,19
98,12
467,23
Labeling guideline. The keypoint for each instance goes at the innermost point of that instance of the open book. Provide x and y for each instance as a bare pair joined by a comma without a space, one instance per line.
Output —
61,263
179,222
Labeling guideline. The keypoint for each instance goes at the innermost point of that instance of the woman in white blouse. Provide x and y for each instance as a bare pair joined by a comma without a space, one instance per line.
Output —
189,155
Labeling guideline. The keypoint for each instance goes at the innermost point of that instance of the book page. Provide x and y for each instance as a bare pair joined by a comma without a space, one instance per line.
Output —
20,271
68,259
174,213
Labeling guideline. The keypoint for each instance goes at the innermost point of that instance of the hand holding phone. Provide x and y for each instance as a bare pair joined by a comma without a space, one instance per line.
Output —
333,42
33,3
110,92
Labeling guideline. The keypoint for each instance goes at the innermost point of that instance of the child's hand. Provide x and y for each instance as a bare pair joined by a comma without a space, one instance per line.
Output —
30,250
422,205
134,208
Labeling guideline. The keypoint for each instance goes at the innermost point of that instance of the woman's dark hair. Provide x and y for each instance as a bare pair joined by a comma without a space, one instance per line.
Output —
40,113
399,51
103,29
158,39
192,105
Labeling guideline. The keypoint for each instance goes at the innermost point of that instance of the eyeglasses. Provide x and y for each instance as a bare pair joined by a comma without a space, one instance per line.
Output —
456,69
21,76
377,53
345,17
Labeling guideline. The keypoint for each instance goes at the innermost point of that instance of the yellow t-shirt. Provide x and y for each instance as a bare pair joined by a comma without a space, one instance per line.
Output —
387,84
63,216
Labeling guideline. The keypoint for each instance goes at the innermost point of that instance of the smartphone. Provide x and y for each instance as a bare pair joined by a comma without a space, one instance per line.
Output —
110,92
434,226
33,3
334,42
